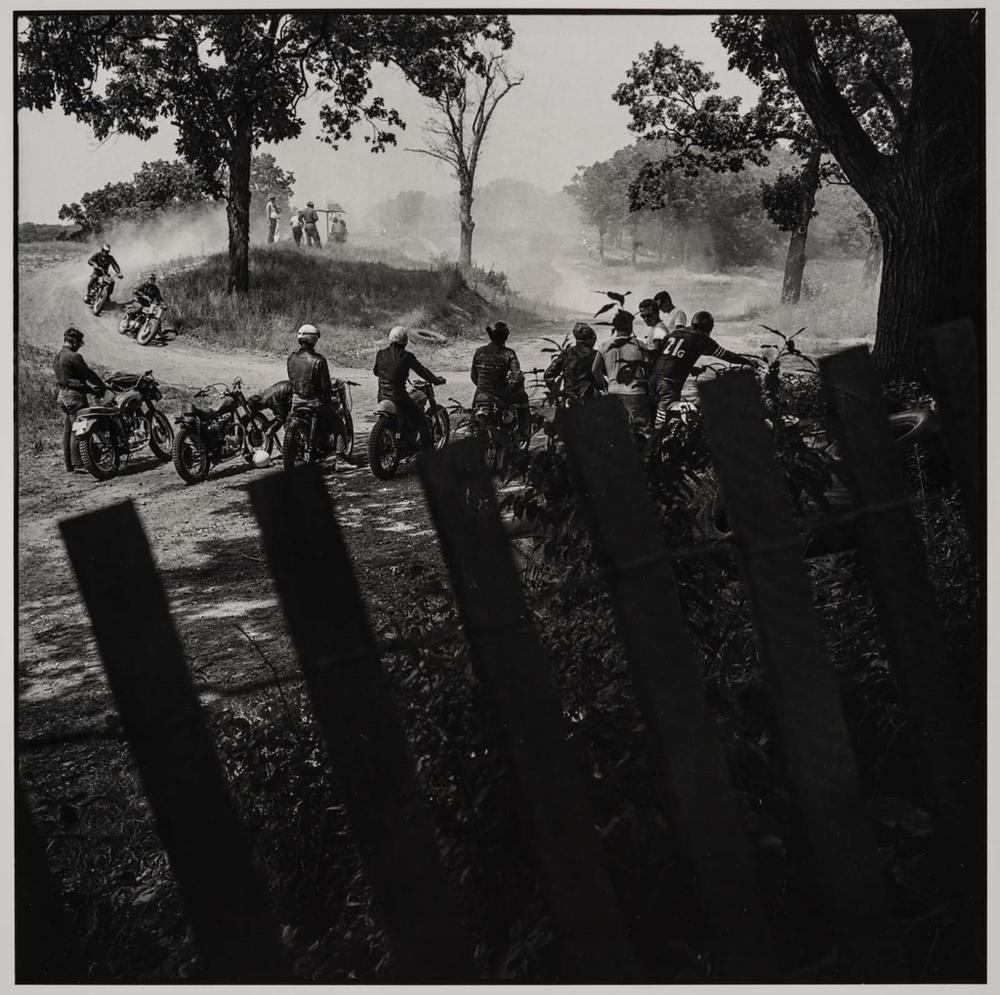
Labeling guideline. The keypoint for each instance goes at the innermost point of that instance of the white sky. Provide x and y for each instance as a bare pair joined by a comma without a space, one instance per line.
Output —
561,117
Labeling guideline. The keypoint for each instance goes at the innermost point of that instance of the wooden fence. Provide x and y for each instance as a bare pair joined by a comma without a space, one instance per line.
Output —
212,858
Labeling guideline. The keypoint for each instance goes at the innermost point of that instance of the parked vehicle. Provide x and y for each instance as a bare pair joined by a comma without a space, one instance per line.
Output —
302,444
102,291
110,433
209,436
144,322
497,426
392,441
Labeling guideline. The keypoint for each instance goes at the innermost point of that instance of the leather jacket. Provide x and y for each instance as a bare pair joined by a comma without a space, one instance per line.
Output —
496,371
309,374
392,366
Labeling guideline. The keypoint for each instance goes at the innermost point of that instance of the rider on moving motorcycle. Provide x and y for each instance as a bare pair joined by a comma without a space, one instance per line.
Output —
148,292
497,375
311,387
392,366
101,261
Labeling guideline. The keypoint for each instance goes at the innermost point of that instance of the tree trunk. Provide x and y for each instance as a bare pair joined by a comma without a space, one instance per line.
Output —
600,243
467,225
238,211
933,268
795,264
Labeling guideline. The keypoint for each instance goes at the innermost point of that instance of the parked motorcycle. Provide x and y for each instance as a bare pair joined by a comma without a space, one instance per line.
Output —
110,433
102,290
143,322
393,440
302,444
209,436
498,427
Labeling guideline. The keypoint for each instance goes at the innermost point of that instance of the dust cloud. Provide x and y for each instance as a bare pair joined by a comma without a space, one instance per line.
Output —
193,232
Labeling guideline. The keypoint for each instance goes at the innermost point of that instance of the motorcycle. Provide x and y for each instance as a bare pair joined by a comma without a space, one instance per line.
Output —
144,322
498,427
110,433
393,440
301,444
209,436
101,292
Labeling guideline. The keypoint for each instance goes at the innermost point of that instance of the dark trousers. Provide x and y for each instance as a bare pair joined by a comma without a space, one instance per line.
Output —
409,411
312,236
71,401
272,225
666,393
297,235
637,408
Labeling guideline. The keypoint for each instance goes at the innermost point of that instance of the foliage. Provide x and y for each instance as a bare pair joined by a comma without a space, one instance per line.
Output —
782,199
231,81
28,231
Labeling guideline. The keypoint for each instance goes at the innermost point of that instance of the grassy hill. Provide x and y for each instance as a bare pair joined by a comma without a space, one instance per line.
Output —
352,297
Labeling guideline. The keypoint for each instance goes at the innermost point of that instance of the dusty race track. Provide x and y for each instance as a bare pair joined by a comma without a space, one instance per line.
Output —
204,538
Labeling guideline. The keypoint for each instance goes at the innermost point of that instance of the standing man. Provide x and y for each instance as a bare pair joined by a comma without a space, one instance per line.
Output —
622,362
273,213
672,316
658,330
76,380
310,221
574,366
295,223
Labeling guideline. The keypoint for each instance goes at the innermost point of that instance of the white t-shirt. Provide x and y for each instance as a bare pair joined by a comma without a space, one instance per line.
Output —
272,210
666,325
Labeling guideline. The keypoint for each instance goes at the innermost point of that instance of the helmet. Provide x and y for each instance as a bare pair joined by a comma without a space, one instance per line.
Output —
308,333
702,321
398,336
73,336
261,459
499,332
106,247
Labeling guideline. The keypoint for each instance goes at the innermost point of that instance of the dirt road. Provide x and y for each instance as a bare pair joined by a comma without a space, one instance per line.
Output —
204,538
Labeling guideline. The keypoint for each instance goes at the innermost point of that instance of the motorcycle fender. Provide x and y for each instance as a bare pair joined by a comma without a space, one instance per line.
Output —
130,401
82,426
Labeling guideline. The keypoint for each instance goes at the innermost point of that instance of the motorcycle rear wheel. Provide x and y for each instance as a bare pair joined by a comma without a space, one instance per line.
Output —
258,437
99,454
383,450
150,329
295,447
440,427
100,300
347,449
161,437
190,456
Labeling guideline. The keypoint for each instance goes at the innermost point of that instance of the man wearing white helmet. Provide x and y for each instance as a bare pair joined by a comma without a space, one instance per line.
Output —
392,366
310,376
101,261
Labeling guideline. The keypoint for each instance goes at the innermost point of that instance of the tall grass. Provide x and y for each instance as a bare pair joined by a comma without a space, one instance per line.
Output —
353,301
39,421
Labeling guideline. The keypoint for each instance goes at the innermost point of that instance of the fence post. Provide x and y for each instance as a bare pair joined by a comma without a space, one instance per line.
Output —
815,739
669,679
166,731
954,372
910,619
328,622
46,948
511,663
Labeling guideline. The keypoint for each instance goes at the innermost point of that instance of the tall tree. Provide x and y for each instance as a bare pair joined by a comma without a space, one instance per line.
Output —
457,130
231,81
917,158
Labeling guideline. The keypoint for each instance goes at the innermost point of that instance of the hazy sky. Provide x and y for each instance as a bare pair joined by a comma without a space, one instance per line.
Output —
561,117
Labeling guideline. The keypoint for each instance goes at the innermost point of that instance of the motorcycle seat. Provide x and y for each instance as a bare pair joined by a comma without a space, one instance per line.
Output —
123,379
190,408
98,409
304,405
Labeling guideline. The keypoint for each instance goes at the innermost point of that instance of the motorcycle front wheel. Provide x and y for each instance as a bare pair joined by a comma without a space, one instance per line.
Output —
161,436
295,447
383,450
123,325
345,446
99,454
257,436
100,300
190,455
148,332
440,427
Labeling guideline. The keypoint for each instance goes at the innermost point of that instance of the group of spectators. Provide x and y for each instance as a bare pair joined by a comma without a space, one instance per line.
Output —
303,224
646,374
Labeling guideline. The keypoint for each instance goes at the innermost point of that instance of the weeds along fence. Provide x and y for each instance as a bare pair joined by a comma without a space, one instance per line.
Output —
211,856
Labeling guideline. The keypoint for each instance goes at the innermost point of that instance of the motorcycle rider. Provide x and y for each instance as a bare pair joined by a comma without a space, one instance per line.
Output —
681,350
497,375
310,378
76,380
574,365
101,261
148,291
621,361
392,366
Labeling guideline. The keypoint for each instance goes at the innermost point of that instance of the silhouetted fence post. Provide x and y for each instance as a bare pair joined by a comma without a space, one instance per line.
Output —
669,678
909,616
46,950
328,621
180,772
814,736
511,663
